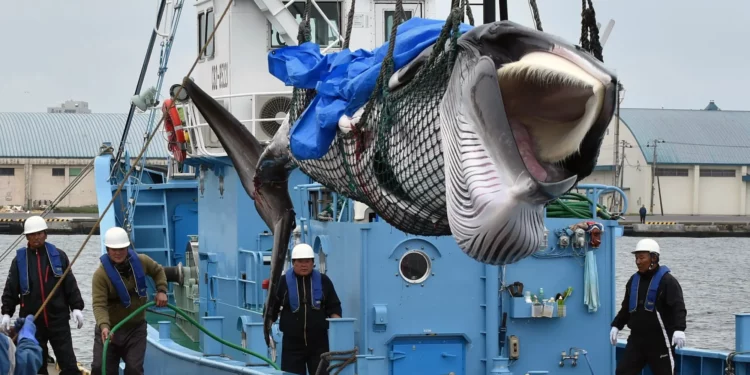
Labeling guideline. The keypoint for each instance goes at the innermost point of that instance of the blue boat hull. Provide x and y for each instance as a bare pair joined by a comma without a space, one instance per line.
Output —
447,323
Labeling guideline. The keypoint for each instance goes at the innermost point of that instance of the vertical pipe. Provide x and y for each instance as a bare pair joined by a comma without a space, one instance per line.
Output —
488,8
503,10
742,332
492,285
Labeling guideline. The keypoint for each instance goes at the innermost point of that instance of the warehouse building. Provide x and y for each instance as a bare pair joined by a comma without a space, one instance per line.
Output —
701,159
41,153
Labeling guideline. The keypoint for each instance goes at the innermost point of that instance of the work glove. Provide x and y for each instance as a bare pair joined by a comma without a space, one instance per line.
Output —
613,335
678,339
5,323
26,329
78,318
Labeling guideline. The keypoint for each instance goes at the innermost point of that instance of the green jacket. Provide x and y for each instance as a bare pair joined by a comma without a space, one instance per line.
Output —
108,310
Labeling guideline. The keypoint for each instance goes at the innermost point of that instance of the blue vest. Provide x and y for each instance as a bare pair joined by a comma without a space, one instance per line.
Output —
650,302
23,265
119,284
317,289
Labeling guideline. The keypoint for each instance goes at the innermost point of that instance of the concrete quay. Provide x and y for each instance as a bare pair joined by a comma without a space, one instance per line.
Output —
687,226
12,223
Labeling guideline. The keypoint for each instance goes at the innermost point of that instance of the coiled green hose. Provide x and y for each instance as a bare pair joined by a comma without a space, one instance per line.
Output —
574,205
189,319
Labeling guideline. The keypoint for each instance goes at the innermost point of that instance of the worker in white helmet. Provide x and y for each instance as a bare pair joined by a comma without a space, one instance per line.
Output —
33,274
654,310
118,288
306,299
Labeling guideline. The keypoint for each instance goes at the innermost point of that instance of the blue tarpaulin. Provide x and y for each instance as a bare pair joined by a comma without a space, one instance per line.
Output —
344,80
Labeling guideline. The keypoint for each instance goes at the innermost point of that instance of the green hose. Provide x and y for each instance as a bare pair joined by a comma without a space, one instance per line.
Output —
574,205
189,319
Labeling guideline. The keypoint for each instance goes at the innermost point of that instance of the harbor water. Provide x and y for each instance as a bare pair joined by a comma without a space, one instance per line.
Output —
712,271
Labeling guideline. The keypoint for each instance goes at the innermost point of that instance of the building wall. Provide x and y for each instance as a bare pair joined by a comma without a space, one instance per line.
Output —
684,189
11,186
47,179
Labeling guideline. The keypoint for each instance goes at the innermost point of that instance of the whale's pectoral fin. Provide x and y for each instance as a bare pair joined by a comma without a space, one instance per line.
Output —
410,70
282,232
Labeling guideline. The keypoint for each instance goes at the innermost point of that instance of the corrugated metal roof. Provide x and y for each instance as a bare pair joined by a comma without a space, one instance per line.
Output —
70,135
691,136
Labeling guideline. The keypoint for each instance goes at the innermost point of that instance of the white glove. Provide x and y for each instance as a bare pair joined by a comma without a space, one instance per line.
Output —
678,339
78,318
5,324
613,335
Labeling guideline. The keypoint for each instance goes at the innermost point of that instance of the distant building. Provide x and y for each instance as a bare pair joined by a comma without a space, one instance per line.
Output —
41,153
701,160
70,106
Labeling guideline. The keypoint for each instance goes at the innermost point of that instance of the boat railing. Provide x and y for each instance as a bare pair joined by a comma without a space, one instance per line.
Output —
247,113
594,192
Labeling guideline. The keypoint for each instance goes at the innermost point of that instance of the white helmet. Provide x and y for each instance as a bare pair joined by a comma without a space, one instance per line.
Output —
302,251
34,224
647,244
116,238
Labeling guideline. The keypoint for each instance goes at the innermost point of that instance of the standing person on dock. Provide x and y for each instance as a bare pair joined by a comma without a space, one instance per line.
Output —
24,357
34,272
118,288
303,319
654,310
642,212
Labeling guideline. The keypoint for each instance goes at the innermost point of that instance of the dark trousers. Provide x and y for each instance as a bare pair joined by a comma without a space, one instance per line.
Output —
59,337
655,351
128,344
296,356
643,219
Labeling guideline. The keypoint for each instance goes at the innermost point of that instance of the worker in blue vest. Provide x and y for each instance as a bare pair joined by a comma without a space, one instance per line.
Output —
307,299
118,288
654,310
24,357
34,272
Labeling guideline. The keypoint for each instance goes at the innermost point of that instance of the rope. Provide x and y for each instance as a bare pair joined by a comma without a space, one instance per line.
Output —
535,14
127,175
589,30
68,189
340,356
574,205
189,319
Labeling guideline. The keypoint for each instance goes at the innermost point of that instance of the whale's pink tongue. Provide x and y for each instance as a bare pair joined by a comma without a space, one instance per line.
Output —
526,148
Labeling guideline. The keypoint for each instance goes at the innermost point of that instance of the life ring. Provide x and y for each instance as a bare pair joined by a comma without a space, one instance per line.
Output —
175,131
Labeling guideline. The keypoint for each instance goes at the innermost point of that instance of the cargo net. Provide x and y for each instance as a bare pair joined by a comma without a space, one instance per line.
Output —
392,158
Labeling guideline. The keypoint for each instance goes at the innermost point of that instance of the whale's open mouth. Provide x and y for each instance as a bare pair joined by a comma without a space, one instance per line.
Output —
551,104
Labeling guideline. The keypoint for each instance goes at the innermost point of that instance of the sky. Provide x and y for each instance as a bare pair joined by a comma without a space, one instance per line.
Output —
667,53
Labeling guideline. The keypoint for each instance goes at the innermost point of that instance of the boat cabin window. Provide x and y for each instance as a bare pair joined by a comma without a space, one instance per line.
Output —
415,266
388,22
321,31
205,28
384,15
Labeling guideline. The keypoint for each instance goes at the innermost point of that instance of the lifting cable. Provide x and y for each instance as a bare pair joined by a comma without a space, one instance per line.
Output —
130,170
68,189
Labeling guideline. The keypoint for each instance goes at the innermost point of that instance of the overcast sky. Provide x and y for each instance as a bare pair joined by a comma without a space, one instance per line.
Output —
668,53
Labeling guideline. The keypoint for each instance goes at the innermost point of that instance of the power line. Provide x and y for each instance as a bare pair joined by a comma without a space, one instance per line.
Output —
698,144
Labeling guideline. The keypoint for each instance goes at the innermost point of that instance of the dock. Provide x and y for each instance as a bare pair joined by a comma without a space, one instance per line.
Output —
57,223
697,226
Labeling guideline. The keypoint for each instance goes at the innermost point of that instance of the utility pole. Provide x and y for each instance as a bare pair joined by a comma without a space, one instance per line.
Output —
616,158
619,173
653,172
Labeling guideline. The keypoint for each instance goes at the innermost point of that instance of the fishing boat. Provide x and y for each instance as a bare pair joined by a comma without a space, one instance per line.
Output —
411,304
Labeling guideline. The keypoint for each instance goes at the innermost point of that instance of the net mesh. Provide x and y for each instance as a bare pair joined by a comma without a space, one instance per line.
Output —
392,159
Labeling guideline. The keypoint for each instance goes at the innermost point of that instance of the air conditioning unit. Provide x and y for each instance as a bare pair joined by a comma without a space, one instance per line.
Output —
273,108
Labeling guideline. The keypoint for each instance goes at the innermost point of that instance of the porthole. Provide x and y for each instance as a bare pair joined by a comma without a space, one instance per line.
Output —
414,267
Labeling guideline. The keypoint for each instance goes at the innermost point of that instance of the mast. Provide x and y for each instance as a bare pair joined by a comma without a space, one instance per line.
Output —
141,77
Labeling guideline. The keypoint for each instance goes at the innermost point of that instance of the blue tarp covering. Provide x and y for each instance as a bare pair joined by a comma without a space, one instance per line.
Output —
344,80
